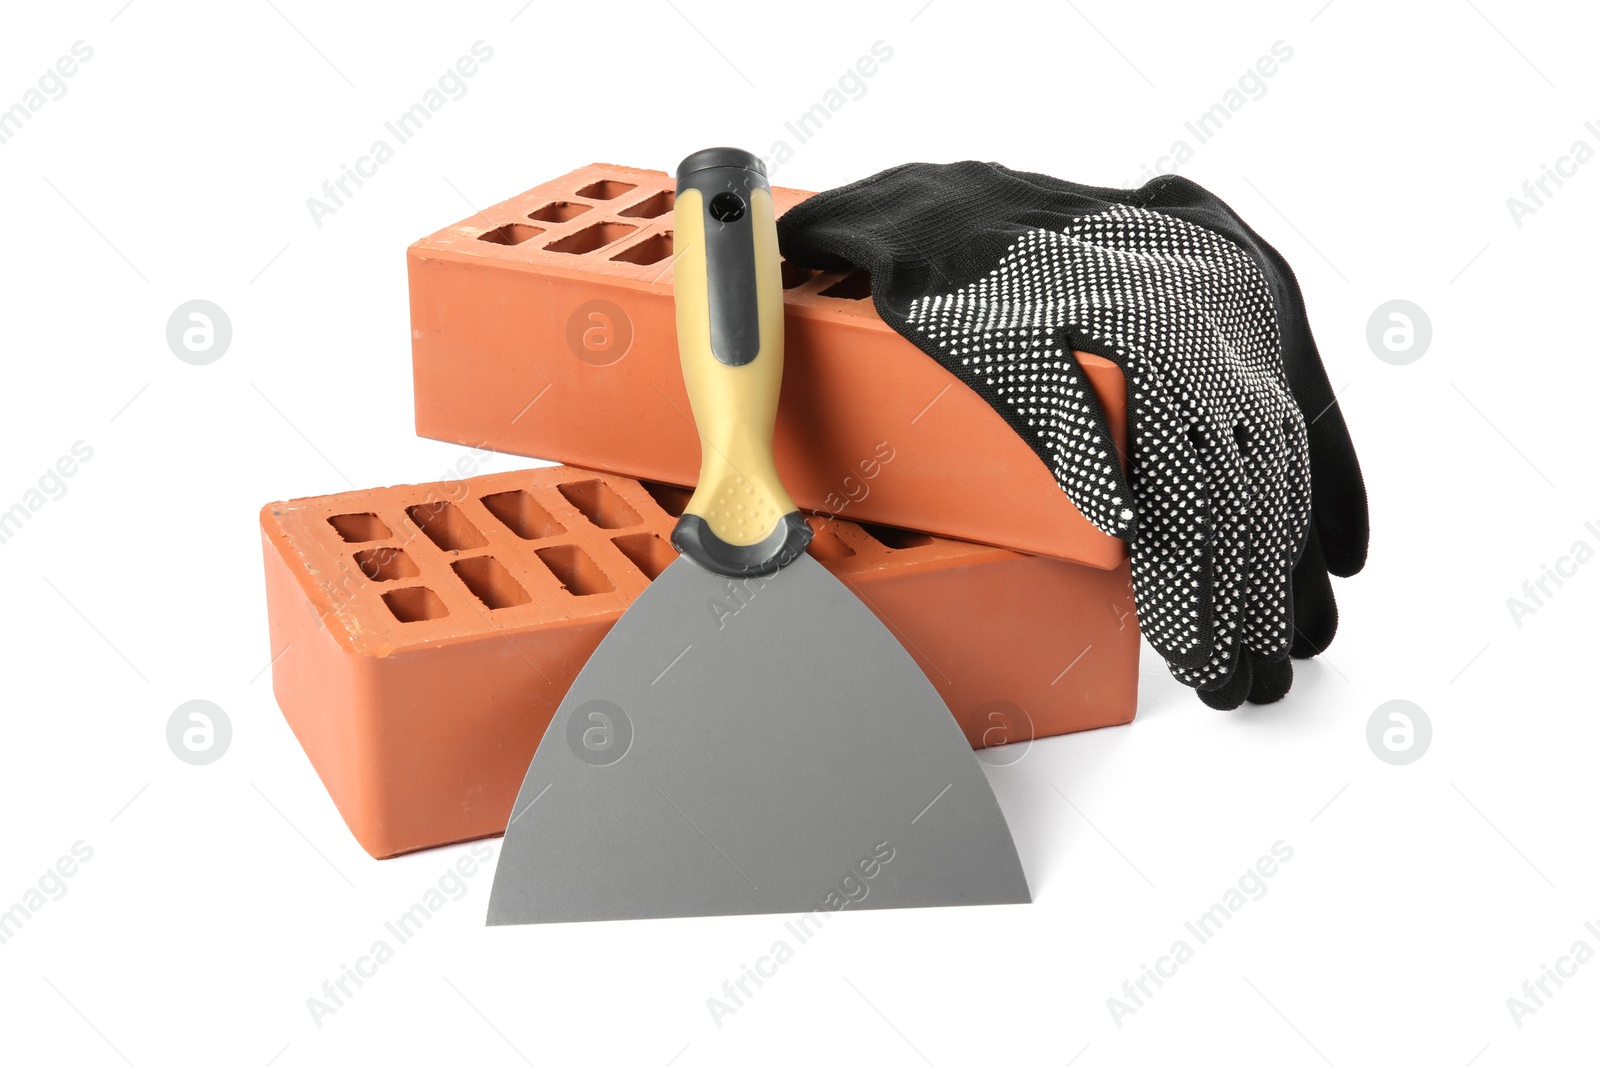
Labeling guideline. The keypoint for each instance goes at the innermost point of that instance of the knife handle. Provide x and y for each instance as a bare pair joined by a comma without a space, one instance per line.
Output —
728,291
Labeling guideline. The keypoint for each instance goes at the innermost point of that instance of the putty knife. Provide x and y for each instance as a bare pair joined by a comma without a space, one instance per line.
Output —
749,737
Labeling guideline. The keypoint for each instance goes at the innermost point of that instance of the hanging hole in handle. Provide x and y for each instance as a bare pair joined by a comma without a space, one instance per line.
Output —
726,207
1241,437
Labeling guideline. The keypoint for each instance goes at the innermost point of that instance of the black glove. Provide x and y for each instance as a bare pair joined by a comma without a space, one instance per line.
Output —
1337,540
1000,275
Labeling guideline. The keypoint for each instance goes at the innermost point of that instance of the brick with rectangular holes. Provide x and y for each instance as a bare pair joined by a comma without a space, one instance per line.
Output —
544,326
423,635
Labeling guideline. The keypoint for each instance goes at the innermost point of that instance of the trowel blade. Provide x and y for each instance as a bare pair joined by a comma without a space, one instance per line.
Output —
751,746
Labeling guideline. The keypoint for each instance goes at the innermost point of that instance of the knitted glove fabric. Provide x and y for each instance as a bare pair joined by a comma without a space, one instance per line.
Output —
999,275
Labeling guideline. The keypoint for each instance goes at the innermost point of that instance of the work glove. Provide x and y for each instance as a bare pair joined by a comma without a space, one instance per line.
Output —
1337,541
1001,275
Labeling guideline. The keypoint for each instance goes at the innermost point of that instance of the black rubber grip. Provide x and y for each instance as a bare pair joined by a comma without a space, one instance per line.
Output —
693,537
725,178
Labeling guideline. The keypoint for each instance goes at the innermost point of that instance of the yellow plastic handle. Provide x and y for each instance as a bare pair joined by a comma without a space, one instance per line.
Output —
732,356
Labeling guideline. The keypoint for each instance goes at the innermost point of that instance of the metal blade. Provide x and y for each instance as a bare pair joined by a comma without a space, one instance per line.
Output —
739,747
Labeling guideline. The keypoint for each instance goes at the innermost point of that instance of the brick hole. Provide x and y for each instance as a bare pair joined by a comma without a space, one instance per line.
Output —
445,526
794,277
600,504
651,206
386,564
490,582
605,189
523,515
671,498
894,537
652,249
857,285
416,604
647,552
573,568
360,527
559,211
512,233
826,545
590,238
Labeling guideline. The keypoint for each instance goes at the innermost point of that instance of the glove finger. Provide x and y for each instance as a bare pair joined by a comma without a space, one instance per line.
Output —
1233,691
1172,549
1316,614
1339,496
1063,414
1272,453
1270,679
1230,558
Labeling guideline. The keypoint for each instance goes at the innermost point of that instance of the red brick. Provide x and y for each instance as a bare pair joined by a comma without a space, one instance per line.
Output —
424,635
497,300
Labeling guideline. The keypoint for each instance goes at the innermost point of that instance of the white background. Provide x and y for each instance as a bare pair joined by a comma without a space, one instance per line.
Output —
1379,160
